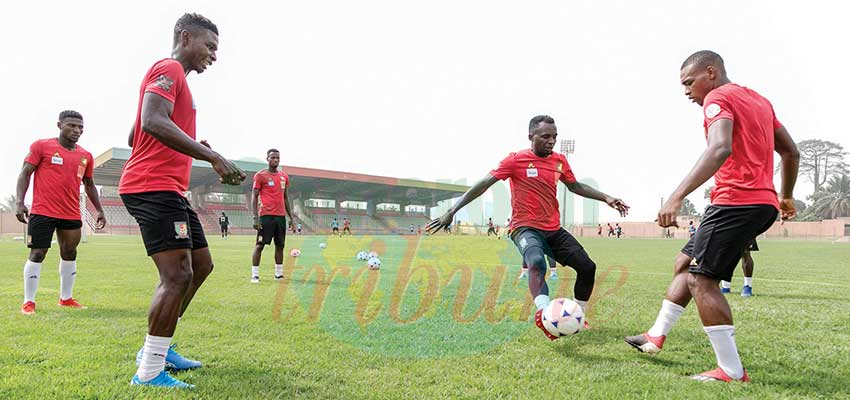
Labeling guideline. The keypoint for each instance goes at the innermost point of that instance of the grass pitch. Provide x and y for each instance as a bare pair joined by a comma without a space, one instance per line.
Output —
445,317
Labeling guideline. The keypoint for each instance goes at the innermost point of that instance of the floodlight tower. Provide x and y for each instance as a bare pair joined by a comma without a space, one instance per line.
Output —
568,146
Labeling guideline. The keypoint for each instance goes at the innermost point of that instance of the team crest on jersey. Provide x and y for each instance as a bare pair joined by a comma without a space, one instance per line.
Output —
560,167
530,165
163,82
181,228
712,110
84,161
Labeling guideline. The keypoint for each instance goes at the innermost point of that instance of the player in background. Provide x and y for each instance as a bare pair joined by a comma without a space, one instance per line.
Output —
270,186
692,229
491,229
335,227
59,165
224,223
742,133
152,188
535,222
412,229
346,226
747,265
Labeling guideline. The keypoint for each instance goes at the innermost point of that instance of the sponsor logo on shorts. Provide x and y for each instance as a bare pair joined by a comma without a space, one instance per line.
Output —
29,239
181,228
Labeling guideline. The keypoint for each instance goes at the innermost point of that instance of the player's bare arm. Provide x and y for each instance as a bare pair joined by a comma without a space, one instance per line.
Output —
132,133
156,121
91,192
288,206
719,148
591,193
255,195
21,211
790,163
473,193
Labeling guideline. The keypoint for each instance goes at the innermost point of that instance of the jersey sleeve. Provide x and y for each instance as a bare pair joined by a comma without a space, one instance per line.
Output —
34,156
89,166
257,183
505,168
167,79
716,107
567,176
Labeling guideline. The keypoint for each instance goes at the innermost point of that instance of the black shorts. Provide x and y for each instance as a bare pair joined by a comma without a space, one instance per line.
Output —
558,245
166,220
272,227
40,229
335,229
723,235
224,228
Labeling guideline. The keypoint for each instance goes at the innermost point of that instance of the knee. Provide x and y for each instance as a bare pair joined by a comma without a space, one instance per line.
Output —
259,247
182,276
68,253
37,255
584,265
535,260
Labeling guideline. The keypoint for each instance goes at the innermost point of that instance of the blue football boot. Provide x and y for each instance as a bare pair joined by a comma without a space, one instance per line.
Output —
747,291
163,380
173,360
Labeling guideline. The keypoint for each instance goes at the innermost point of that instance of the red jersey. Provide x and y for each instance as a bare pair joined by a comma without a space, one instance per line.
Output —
154,166
271,185
534,187
746,177
58,173
346,224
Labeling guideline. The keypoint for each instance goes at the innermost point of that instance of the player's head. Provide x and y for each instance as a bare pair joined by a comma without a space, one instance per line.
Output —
701,73
70,125
222,213
195,41
542,134
273,157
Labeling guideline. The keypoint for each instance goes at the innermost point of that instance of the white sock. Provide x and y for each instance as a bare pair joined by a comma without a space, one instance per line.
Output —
67,275
153,357
726,284
667,317
748,281
583,305
722,339
255,272
278,270
541,301
32,273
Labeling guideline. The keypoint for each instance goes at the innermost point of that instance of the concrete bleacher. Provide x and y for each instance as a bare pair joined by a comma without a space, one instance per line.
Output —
362,224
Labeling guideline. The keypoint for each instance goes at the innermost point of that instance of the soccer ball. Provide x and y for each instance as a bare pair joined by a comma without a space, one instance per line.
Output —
322,245
371,254
295,252
362,256
374,263
563,317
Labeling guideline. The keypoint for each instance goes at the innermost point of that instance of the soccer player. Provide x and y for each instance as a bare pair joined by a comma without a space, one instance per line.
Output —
412,228
59,165
742,133
535,222
224,223
335,227
491,229
747,265
298,228
692,229
270,187
346,226
152,188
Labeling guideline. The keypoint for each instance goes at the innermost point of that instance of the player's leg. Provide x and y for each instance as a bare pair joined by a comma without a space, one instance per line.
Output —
68,236
264,237
39,235
279,242
553,268
747,265
532,246
202,263
569,252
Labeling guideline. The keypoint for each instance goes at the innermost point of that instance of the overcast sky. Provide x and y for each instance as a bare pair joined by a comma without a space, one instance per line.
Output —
430,90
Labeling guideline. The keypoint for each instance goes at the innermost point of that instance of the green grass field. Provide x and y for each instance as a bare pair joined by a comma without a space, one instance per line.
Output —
443,318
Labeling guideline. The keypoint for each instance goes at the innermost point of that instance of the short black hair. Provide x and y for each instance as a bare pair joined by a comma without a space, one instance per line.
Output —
192,22
704,58
269,151
70,114
532,125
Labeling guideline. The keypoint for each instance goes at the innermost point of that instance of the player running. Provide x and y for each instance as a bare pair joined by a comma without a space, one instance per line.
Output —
59,165
535,222
742,133
152,188
270,187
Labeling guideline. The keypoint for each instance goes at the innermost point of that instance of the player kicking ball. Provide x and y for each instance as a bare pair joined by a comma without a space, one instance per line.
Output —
535,221
59,165
152,188
742,133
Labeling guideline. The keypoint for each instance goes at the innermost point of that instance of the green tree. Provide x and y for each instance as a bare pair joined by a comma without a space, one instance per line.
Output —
834,200
9,204
688,208
820,160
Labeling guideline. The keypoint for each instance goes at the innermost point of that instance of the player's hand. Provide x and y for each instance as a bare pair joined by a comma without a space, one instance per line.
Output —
438,224
228,172
100,222
618,205
22,213
668,213
787,209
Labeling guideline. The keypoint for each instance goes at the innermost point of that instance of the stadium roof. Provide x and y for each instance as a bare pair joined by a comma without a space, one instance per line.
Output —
306,182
